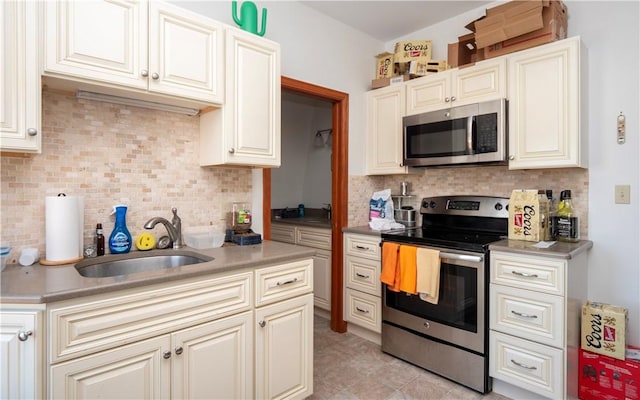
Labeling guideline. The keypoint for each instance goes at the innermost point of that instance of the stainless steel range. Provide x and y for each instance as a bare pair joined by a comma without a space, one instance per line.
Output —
449,338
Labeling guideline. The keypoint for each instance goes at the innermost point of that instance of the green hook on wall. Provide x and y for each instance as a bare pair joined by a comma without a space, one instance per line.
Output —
248,20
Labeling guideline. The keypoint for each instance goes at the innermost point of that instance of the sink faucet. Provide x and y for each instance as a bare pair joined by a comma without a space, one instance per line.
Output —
328,210
174,228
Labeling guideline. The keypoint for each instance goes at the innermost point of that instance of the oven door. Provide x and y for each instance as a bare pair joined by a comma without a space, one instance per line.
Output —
459,317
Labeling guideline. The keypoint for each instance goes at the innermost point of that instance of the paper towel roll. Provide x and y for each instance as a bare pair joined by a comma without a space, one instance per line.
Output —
64,220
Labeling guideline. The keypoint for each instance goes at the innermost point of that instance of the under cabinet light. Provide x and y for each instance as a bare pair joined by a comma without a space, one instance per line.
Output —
108,98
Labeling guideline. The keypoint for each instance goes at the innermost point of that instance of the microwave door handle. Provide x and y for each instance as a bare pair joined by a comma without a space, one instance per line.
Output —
470,134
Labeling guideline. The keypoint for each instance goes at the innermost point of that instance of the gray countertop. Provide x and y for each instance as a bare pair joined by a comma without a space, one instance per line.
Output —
42,284
363,230
562,250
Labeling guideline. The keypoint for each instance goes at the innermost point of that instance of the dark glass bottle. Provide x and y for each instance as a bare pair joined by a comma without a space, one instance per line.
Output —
99,240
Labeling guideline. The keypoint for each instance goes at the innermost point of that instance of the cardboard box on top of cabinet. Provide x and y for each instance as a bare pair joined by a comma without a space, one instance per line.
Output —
525,216
554,28
412,49
603,377
603,329
383,82
464,52
507,21
421,66
384,66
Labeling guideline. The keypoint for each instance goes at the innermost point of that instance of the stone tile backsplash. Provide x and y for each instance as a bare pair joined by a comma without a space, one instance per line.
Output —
474,180
113,154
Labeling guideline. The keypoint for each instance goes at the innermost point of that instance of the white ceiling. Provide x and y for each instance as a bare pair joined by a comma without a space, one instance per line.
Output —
388,20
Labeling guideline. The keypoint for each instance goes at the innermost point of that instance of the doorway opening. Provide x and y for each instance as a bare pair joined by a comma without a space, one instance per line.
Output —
339,185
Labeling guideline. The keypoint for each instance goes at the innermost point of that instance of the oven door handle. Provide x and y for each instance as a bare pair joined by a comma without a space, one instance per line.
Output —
461,257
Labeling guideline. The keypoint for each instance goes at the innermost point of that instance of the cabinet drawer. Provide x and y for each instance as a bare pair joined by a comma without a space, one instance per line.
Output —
112,321
283,233
283,281
527,314
318,238
526,272
363,309
532,366
362,246
363,274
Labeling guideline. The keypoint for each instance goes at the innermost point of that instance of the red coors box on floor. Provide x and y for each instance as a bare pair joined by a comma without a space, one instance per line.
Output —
607,378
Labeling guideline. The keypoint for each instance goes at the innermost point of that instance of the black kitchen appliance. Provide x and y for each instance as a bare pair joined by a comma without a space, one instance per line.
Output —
449,338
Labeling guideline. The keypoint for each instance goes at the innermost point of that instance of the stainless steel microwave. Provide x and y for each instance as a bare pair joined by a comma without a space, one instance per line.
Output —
469,134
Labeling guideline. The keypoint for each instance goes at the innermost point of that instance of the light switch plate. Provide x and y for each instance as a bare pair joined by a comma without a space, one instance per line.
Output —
623,194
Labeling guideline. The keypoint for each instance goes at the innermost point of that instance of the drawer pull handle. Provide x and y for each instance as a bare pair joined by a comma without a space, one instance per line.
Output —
524,274
523,365
523,315
362,276
362,311
362,247
24,336
287,282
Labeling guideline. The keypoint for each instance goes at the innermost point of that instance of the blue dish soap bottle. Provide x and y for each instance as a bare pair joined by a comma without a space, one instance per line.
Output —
120,239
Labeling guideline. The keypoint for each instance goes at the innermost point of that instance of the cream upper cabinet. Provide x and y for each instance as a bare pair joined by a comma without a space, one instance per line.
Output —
246,131
21,348
149,46
385,109
487,80
547,117
20,104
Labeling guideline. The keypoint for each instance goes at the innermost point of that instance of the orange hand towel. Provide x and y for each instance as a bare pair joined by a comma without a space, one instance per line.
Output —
390,272
407,260
428,274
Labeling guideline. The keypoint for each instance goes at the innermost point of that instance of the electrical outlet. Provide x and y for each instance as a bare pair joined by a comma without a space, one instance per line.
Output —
623,194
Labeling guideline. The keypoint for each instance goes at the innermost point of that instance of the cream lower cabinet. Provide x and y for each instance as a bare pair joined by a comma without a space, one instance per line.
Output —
385,109
154,47
21,348
284,331
317,238
201,338
486,80
547,110
246,131
362,287
20,104
534,321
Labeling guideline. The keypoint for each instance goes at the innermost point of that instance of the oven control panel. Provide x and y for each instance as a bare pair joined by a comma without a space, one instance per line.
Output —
477,206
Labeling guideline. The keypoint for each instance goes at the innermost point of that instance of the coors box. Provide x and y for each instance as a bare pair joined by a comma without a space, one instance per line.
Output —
410,50
603,329
525,216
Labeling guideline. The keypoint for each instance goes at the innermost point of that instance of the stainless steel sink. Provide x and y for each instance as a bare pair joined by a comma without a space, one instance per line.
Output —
125,264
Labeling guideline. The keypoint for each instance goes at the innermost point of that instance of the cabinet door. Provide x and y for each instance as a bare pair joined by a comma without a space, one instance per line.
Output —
284,349
252,99
431,92
20,355
322,279
20,101
185,54
103,41
385,109
545,129
214,360
485,81
283,233
138,371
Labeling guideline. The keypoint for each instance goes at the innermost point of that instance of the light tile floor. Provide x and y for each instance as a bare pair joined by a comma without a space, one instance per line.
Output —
349,367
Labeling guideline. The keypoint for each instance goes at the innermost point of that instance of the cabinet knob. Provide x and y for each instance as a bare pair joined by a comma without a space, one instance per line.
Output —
232,150
24,336
32,131
453,98
512,158
155,76
446,99
166,355
262,324
144,73
179,350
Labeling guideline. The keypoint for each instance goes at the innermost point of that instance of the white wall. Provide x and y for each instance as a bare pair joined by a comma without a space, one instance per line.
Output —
325,52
